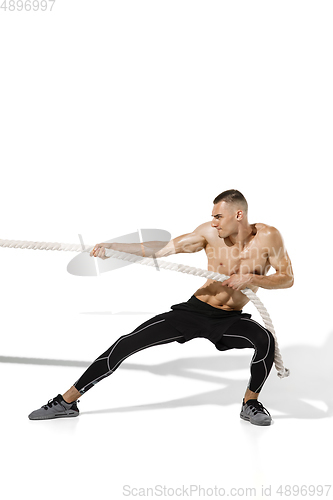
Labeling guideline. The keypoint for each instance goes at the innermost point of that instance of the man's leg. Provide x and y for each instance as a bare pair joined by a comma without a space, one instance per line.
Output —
155,331
71,395
248,333
250,395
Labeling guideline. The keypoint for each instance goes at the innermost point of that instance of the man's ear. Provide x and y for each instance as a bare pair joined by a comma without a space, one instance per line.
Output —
240,214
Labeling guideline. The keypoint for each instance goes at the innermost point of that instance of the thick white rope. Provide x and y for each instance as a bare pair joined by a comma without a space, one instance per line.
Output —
170,266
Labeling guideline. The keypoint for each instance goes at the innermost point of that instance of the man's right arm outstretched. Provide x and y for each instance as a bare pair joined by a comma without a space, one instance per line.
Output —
186,243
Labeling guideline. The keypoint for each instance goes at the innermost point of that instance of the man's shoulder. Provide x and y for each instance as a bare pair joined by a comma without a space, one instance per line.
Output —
265,228
205,229
267,233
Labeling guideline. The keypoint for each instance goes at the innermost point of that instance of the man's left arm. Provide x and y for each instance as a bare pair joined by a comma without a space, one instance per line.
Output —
278,258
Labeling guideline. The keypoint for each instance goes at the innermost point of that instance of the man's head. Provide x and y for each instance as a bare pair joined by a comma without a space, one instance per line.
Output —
229,211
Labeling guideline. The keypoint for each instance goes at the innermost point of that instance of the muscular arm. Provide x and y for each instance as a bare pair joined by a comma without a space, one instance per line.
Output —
186,243
279,259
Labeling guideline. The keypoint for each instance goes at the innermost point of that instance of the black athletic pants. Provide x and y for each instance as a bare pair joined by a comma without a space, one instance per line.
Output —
203,321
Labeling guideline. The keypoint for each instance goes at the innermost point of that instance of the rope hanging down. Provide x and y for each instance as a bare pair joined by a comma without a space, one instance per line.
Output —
170,266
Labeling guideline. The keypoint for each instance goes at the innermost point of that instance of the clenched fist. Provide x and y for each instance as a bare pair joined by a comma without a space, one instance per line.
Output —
99,250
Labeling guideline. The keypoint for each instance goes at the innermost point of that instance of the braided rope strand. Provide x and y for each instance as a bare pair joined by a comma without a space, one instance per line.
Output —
170,266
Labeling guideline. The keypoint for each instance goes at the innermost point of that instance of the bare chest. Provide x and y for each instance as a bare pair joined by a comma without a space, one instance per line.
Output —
230,260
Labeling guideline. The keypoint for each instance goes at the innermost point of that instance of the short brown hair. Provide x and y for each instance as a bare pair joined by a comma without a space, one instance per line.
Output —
232,196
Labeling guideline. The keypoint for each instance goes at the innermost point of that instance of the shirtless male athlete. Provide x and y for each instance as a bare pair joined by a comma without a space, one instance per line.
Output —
243,251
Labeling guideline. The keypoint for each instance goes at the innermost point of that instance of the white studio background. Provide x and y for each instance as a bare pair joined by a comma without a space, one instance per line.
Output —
119,115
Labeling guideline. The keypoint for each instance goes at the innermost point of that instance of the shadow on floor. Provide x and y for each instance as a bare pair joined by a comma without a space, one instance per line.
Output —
306,394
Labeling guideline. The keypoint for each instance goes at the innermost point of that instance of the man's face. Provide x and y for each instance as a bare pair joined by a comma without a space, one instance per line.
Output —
224,219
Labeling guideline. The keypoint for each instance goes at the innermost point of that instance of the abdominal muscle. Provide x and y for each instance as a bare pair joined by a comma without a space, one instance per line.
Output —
222,297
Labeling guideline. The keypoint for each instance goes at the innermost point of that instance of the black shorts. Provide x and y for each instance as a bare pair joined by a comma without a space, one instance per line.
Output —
195,318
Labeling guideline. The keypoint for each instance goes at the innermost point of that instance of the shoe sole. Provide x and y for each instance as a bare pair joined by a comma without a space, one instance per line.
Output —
248,419
59,415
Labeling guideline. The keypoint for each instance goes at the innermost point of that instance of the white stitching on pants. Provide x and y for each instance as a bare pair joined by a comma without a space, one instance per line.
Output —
256,351
269,339
125,336
144,347
263,380
149,345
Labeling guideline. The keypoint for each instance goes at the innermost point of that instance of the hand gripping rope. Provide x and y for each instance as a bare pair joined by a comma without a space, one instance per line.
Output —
170,266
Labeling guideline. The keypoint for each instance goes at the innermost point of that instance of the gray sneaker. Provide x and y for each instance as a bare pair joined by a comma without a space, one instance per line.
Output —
254,412
55,408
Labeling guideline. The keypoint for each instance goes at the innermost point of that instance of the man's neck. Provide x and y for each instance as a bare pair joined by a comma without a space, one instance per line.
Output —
243,236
